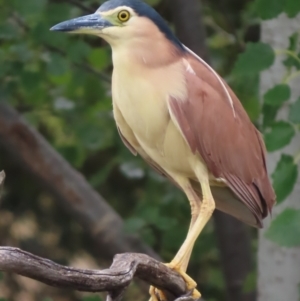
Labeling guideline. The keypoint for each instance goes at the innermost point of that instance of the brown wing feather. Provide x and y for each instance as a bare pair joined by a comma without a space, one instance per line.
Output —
224,137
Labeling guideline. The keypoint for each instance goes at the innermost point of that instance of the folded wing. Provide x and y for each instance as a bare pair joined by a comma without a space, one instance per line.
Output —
216,126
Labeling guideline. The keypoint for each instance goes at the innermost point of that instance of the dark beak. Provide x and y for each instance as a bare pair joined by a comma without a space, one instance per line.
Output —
85,24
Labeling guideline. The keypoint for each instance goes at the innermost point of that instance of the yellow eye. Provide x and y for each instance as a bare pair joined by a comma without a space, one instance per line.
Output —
124,15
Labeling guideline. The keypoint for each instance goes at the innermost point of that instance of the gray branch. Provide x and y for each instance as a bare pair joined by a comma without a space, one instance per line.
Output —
23,143
114,280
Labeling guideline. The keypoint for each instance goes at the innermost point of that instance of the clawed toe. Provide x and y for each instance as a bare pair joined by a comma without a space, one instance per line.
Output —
158,295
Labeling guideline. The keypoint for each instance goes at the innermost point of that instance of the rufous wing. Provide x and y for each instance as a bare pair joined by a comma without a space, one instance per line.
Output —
216,126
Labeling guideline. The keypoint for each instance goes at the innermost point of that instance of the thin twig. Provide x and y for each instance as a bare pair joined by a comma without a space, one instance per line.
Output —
114,280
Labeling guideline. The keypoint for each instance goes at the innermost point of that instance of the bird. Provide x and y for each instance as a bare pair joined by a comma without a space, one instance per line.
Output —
176,112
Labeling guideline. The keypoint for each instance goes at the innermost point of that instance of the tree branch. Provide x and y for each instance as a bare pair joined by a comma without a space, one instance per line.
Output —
114,280
23,143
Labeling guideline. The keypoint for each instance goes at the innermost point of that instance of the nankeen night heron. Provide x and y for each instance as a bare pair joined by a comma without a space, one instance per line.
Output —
175,111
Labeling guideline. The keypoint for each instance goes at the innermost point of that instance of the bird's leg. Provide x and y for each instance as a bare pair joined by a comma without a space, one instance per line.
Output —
180,262
195,203
203,215
200,216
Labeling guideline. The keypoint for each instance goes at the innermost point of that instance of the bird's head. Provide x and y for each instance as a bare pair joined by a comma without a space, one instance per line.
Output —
118,21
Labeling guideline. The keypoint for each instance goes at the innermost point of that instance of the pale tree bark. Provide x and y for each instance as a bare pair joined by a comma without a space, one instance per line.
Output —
278,267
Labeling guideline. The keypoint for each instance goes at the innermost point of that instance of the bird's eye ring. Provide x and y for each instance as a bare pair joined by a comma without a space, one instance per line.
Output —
123,15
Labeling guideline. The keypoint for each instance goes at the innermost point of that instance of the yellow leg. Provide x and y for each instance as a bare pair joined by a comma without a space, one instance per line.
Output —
201,213
195,203
205,212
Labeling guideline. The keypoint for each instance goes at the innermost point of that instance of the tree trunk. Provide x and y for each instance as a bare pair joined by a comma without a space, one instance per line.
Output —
279,268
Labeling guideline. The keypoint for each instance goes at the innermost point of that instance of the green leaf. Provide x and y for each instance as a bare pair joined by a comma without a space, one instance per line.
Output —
293,41
29,7
291,61
40,33
294,115
21,52
292,7
252,106
77,51
284,177
134,224
279,135
96,134
285,229
8,31
269,9
269,115
256,58
246,88
57,65
99,58
277,95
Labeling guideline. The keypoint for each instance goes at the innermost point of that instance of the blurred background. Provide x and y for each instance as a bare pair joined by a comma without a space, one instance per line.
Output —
73,192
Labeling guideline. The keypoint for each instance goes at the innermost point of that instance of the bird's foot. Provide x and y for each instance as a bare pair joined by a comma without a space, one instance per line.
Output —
158,295
190,283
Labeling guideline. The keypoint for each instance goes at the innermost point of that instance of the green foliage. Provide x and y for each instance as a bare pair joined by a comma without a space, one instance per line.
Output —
29,8
61,85
278,135
294,114
291,8
285,229
293,57
257,57
284,177
99,58
277,95
269,9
